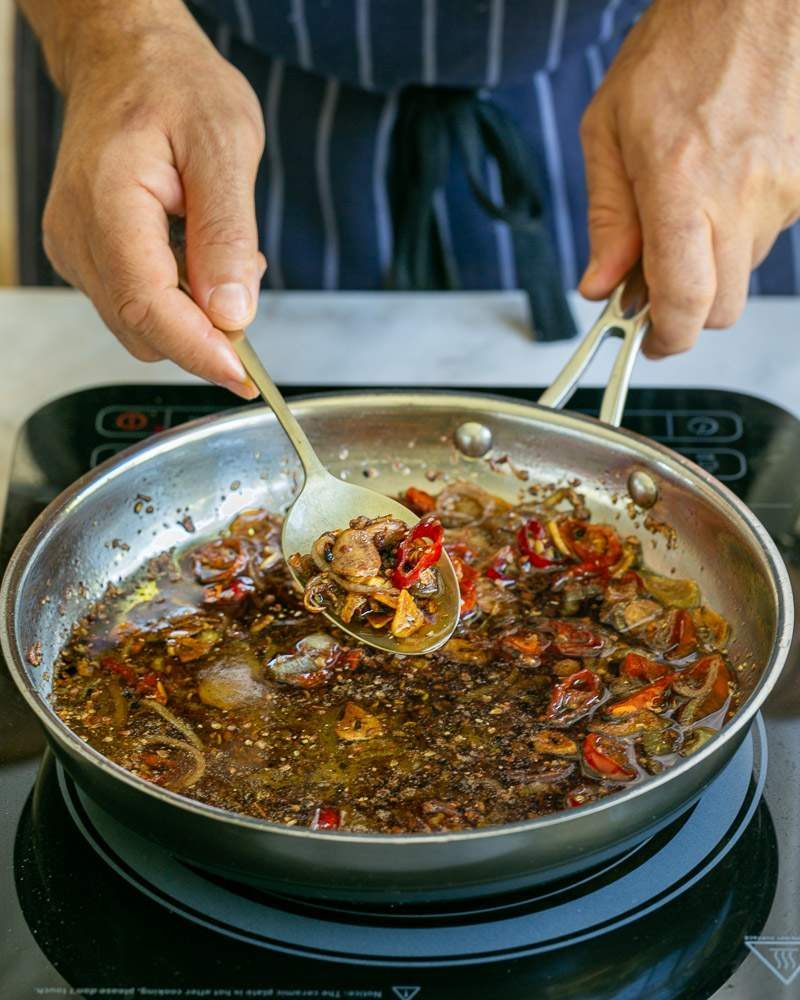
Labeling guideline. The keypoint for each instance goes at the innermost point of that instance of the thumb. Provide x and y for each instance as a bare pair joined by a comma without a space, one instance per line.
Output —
222,259
615,237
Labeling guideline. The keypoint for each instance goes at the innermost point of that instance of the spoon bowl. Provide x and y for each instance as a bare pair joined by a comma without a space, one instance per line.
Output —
326,503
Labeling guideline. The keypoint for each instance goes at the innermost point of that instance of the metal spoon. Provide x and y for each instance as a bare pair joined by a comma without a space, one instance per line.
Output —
326,503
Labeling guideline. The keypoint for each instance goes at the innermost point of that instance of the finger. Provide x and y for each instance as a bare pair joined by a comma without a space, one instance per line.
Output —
162,180
679,266
141,302
733,251
139,348
614,232
221,233
91,284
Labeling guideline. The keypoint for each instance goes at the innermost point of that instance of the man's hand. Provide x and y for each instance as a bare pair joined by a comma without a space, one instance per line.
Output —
156,122
692,148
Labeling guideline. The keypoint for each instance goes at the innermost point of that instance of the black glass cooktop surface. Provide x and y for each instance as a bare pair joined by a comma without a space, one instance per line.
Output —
708,907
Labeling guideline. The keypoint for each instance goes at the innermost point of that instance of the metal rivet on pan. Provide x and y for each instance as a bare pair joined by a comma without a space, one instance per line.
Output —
642,488
473,439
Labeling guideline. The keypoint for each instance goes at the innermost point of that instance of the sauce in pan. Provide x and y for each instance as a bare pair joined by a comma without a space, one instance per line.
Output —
573,673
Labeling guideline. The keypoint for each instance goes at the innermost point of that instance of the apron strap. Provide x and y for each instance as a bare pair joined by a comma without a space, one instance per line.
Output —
430,122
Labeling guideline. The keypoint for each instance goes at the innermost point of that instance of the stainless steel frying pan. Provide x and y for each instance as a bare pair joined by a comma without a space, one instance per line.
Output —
214,467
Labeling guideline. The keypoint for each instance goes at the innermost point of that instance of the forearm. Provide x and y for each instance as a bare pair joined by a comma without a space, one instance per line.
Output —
76,33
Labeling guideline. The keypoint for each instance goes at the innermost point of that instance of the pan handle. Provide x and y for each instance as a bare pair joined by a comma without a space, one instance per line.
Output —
627,316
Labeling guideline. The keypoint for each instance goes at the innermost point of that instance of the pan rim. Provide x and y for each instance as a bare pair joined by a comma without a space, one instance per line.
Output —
37,535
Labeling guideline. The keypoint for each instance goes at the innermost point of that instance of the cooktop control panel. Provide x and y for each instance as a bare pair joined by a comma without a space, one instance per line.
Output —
707,436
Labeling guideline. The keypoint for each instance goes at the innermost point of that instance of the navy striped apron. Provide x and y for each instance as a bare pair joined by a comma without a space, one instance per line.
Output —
331,74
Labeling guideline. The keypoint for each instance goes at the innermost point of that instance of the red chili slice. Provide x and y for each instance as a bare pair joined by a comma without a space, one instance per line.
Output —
642,668
420,549
153,760
419,501
606,757
326,818
527,643
150,685
467,577
650,697
348,659
571,639
531,533
575,693
229,594
684,636
720,689
596,545
581,795
499,566
115,666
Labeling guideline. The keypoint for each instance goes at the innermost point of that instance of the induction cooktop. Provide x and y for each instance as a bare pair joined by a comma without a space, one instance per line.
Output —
709,907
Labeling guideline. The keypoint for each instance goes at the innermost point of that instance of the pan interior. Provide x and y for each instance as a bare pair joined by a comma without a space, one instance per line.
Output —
189,483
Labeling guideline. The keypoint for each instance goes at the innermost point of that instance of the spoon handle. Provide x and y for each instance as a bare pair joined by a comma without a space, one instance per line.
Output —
272,395
252,365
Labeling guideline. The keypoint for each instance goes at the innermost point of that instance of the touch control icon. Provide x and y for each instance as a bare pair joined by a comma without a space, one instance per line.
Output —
703,426
780,955
130,420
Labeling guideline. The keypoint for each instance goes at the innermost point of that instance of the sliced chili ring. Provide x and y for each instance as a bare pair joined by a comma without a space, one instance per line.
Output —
684,636
531,538
575,693
575,639
467,577
420,549
499,567
326,818
718,691
642,668
651,697
419,501
606,756
123,670
229,594
594,544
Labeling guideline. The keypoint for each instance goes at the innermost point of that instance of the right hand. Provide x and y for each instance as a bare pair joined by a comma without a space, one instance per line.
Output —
158,123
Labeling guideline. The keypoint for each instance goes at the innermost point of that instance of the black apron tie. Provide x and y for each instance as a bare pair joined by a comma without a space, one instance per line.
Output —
430,122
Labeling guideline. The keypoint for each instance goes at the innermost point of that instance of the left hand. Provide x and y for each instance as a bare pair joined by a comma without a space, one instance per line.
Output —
692,148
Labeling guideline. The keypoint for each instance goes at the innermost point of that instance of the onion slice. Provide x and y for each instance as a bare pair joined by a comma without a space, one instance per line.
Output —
197,771
173,720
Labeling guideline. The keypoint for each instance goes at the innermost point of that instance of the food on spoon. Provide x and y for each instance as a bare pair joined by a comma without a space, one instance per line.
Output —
378,572
574,673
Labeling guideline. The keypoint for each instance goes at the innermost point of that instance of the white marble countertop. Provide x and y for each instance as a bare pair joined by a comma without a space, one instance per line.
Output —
55,343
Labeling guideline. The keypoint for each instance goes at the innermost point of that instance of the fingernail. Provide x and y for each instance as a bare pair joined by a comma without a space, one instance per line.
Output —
249,390
236,379
246,389
231,303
